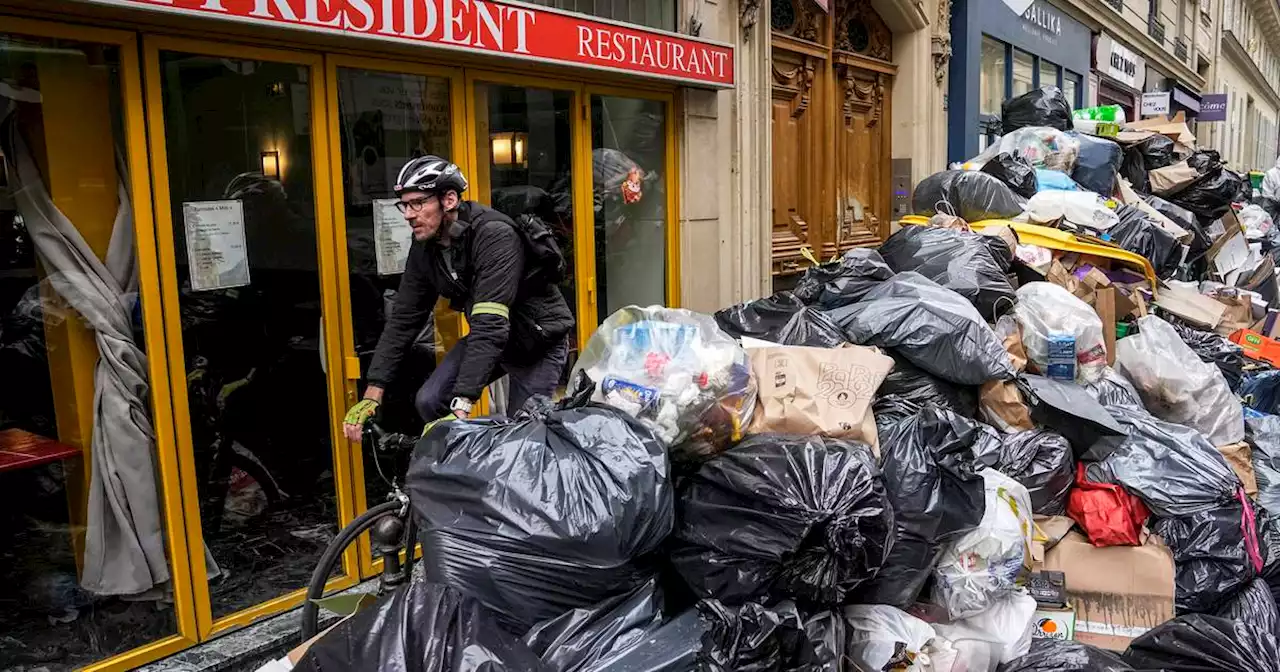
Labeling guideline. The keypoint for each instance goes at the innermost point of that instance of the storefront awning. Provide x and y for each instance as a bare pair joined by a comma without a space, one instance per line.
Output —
1186,99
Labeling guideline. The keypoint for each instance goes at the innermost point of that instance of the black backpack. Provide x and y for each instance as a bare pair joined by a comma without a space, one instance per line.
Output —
545,262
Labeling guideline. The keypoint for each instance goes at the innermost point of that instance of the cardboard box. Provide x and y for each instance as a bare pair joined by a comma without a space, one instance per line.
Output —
1054,624
1118,592
1257,346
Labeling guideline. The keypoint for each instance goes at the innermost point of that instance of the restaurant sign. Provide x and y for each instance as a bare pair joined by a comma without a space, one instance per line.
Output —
506,29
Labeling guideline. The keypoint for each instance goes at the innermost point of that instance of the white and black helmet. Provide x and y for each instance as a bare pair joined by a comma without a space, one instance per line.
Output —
430,174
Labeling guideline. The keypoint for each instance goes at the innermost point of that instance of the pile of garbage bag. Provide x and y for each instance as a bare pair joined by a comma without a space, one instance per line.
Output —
960,261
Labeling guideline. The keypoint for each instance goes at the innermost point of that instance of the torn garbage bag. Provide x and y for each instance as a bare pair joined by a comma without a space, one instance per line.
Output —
1064,655
1045,106
970,195
1176,386
1108,515
958,260
1136,232
983,565
1042,461
931,462
935,328
1016,172
1098,163
1264,437
844,282
1047,312
783,517
1073,412
911,383
1215,554
677,372
1253,604
420,627
541,514
782,318
1199,643
1173,468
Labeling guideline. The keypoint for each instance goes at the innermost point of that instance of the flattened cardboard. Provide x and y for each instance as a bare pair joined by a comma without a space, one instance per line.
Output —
1240,457
1192,306
1118,592
1170,180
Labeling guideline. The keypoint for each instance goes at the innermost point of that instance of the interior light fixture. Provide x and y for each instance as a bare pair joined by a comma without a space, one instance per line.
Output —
509,148
271,164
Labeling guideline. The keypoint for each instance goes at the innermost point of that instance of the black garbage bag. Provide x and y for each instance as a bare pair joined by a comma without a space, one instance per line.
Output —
781,318
1204,160
1045,106
420,627
931,462
1262,431
1098,163
542,514
1269,543
911,383
935,328
1260,390
1213,556
754,638
958,260
1015,171
969,194
1060,655
783,517
1199,643
1114,390
1172,468
1143,157
1136,232
1133,170
1074,413
1253,604
844,282
891,409
1210,196
1214,349
1044,463
581,638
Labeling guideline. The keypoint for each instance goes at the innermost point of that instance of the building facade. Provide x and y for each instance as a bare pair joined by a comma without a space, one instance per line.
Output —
1247,73
198,248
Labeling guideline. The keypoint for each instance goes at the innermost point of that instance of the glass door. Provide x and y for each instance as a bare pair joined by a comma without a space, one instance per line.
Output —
387,113
251,301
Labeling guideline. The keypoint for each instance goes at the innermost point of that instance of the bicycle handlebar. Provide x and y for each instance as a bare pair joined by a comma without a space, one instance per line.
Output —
384,441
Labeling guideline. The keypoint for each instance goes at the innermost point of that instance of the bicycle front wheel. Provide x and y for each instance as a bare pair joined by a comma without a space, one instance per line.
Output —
332,558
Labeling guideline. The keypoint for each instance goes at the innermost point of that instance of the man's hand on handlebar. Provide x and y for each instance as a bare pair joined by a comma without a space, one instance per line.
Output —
360,414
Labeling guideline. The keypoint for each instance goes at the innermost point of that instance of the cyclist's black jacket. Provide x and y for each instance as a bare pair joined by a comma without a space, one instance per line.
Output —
483,264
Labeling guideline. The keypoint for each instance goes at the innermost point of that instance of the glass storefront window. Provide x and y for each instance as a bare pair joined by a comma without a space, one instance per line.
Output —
83,550
992,84
241,179
1023,67
628,157
1071,88
384,120
1049,76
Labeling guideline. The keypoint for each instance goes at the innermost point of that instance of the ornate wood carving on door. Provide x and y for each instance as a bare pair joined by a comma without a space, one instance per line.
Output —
832,83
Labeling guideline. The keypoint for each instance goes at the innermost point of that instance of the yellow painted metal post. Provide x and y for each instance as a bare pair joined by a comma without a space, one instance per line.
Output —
72,138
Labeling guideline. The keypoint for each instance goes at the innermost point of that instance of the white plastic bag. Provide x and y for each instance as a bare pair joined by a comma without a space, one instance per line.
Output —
1176,386
1044,147
1256,222
1081,208
1044,309
997,635
975,570
877,631
675,371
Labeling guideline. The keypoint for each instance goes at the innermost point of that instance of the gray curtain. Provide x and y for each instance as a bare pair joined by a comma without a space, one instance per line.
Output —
124,550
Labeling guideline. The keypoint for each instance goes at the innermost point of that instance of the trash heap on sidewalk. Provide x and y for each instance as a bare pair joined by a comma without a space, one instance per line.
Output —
1037,429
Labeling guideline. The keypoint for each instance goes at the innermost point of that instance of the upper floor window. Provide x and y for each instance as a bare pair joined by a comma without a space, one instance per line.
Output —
660,14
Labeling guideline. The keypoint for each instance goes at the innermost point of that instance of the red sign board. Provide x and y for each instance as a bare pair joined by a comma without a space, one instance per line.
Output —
508,29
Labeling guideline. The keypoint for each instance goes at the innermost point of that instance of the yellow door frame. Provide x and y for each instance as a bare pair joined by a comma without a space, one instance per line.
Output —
207,626
139,189
584,255
457,112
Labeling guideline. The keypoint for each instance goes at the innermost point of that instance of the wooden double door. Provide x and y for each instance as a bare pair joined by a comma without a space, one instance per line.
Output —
832,85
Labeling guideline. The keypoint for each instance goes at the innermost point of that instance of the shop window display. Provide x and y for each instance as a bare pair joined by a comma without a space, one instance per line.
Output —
992,86
82,545
1023,69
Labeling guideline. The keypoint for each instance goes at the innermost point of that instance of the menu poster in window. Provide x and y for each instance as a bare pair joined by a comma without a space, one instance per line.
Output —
392,236
217,255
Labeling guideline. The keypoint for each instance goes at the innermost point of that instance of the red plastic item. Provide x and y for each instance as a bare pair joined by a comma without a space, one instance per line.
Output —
1108,514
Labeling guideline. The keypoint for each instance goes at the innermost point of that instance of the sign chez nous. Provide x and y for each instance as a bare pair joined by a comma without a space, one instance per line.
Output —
507,29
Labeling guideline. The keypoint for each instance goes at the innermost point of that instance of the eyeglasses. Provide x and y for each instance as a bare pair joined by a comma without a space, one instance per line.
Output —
416,205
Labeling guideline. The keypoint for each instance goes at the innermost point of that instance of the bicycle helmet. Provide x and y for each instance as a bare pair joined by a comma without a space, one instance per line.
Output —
430,174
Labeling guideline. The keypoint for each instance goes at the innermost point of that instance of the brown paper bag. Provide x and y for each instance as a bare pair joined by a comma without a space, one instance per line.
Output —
1002,406
1170,179
818,390
1240,457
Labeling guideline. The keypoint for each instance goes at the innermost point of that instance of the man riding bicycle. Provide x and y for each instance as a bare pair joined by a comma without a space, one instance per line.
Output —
490,268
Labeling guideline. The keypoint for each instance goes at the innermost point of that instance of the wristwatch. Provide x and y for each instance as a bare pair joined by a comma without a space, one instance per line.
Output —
461,404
